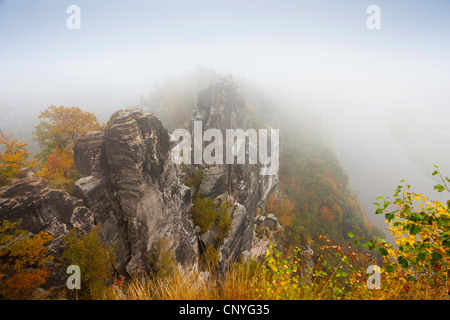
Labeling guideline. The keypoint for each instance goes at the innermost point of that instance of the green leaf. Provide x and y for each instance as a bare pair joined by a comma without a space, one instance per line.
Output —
379,211
446,243
351,234
435,256
415,229
435,172
389,268
403,262
370,245
439,188
420,256
383,251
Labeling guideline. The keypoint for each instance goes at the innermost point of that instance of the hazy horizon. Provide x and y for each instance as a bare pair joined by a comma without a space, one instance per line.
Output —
312,47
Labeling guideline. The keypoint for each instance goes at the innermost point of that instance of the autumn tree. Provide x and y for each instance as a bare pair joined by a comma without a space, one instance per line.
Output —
59,170
23,260
13,157
326,214
283,209
56,134
60,127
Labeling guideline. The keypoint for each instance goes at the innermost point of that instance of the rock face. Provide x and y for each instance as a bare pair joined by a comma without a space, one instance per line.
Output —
214,182
222,106
134,191
29,199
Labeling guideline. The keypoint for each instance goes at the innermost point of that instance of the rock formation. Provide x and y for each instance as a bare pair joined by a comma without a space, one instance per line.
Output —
133,188
40,208
222,106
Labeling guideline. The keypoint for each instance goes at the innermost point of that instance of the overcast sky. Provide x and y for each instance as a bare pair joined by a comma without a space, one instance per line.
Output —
320,48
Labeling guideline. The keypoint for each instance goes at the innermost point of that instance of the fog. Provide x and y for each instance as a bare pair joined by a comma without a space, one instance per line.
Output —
317,54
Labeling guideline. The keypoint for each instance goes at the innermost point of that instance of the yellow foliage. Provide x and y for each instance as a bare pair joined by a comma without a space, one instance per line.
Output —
22,261
13,157
56,134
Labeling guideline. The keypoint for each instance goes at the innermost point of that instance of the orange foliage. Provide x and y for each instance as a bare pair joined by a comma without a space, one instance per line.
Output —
326,214
65,125
14,156
270,205
56,134
337,210
283,209
57,168
60,127
119,281
21,285
22,261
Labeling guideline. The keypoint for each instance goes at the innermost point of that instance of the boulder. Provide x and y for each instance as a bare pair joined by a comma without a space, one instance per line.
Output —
270,221
213,182
208,238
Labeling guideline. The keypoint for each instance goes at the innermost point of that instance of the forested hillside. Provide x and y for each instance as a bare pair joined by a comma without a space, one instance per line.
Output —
312,178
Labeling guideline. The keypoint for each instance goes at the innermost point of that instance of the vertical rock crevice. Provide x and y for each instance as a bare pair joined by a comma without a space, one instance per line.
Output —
222,106
134,190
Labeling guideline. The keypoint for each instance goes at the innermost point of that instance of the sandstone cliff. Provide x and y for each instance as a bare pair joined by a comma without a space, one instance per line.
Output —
39,208
131,185
222,106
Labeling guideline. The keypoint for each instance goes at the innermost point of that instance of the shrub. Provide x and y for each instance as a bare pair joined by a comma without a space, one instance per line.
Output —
23,261
13,157
203,213
223,221
161,260
90,254
193,180
420,257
